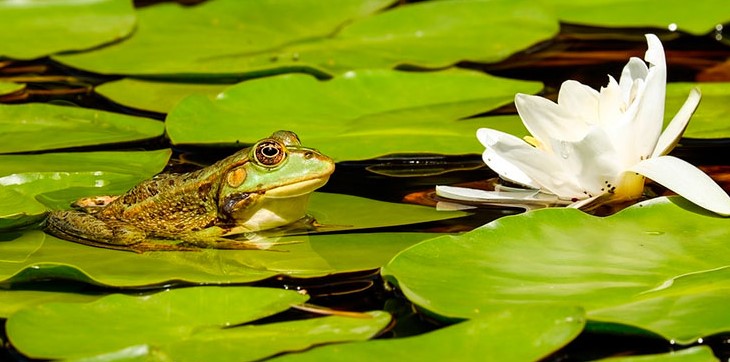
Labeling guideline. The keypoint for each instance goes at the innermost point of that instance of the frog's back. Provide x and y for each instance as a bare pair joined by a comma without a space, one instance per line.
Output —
168,204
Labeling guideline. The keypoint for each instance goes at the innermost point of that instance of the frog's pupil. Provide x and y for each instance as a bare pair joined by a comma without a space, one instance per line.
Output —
269,151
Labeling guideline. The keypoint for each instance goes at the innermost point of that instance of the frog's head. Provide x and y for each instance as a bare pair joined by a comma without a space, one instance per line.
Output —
273,186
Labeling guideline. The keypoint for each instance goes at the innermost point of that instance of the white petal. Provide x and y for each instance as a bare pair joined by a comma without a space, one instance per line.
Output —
467,194
546,119
687,181
580,100
634,69
676,127
611,106
515,160
650,102
655,52
493,158
475,195
592,161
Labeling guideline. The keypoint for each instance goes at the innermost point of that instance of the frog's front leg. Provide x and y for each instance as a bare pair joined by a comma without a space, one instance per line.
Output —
213,238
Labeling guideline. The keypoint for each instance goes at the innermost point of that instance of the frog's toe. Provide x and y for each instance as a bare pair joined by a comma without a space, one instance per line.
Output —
223,243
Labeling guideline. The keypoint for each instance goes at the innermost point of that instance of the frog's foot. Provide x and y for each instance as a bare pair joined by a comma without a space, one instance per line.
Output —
223,243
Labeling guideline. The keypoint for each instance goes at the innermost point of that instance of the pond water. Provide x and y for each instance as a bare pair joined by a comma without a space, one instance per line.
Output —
585,54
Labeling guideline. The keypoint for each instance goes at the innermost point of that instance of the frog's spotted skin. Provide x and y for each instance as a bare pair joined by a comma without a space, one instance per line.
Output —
261,187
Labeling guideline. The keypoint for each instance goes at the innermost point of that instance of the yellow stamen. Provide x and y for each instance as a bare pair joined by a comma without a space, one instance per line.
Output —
533,141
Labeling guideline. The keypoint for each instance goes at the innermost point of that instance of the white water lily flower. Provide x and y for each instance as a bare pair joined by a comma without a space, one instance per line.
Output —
593,145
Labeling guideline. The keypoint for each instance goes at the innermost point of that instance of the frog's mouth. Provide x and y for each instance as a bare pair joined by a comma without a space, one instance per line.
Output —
296,189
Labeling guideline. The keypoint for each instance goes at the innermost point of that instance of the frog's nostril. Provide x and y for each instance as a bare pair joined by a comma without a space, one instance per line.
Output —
308,154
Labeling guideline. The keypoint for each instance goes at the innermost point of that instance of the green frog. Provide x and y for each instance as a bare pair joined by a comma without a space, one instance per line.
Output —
258,188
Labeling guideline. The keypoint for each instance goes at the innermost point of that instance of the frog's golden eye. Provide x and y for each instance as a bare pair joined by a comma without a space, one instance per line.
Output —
269,153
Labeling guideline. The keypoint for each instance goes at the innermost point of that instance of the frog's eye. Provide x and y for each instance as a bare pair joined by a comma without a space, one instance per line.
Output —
269,153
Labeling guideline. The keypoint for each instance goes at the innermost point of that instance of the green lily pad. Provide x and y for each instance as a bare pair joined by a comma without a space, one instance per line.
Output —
31,183
65,25
13,300
118,321
35,127
357,116
517,334
9,87
300,256
712,118
693,354
696,17
660,265
255,342
154,96
318,37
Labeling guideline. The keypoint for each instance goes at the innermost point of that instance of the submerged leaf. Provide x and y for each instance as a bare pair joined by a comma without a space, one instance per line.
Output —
32,29
36,126
8,87
660,265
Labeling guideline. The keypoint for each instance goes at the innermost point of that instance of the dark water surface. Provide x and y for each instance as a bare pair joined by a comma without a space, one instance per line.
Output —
581,53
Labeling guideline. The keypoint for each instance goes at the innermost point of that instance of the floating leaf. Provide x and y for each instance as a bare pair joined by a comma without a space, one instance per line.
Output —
30,182
318,37
697,17
62,330
660,265
360,115
712,118
154,96
9,87
517,334
312,256
34,28
254,342
693,354
35,126
12,300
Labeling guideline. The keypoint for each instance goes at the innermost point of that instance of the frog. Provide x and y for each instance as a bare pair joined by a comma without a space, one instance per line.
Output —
258,188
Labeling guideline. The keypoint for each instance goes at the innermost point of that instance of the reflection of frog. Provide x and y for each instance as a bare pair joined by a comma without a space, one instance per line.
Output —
261,187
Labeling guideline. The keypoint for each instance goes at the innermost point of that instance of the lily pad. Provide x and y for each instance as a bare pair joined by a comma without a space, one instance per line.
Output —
696,17
13,300
65,25
154,96
118,321
693,354
9,87
255,342
36,126
712,118
660,265
31,183
233,38
356,116
518,334
300,256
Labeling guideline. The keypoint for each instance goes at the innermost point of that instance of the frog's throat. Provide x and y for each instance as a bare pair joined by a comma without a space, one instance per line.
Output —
296,189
